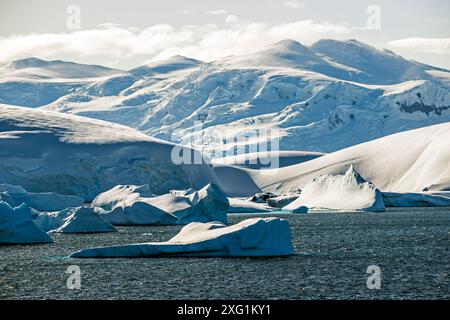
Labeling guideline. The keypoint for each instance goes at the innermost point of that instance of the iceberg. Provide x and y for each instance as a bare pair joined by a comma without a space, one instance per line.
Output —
282,201
17,227
339,192
42,201
126,205
207,204
257,237
84,220
239,205
395,199
121,196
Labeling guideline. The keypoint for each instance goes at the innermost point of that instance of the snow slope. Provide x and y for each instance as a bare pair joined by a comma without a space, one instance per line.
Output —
339,192
17,227
411,161
44,151
268,159
316,97
253,237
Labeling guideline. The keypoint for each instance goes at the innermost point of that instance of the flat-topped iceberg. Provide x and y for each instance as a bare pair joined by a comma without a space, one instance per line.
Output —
41,201
258,237
207,204
395,199
339,192
17,227
240,205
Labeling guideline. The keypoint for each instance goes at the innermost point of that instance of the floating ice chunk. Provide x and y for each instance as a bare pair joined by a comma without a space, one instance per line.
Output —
127,205
282,201
140,213
120,196
258,237
44,201
16,226
300,209
339,192
239,205
207,204
84,220
394,199
49,221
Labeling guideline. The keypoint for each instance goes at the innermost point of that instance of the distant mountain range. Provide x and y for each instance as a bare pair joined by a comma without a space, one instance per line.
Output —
325,97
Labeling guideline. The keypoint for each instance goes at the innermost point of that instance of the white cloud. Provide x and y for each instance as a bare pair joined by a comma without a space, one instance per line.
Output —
206,42
231,18
294,4
427,45
216,12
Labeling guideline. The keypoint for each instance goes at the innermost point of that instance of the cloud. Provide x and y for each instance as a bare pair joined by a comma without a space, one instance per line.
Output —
216,12
231,18
206,42
426,45
294,4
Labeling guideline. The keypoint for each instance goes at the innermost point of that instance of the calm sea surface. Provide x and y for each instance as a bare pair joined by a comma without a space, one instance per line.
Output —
410,245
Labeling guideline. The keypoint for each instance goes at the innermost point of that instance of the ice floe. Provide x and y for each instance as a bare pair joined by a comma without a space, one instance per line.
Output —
257,237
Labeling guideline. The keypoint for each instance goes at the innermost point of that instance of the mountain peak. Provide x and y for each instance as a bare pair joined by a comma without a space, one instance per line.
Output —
174,63
31,62
289,44
288,47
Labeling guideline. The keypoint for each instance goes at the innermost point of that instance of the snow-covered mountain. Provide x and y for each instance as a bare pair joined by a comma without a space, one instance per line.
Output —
35,82
325,97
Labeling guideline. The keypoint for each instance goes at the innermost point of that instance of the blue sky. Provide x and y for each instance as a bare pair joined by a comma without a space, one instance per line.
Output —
128,33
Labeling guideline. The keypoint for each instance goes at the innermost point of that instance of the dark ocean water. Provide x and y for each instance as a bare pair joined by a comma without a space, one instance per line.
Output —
410,245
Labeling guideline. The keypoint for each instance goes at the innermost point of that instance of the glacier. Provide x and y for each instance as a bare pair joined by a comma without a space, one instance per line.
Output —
257,237
45,151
